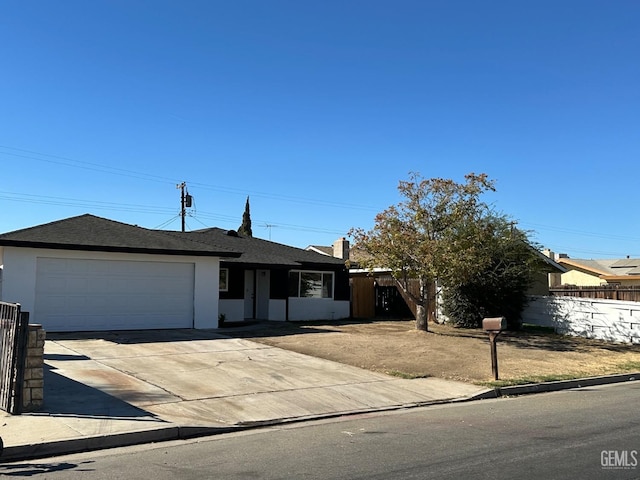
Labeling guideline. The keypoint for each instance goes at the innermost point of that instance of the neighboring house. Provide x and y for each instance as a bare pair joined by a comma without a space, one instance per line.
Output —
340,249
581,272
375,293
91,273
548,274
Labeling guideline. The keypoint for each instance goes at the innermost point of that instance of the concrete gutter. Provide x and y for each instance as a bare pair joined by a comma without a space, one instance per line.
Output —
555,386
177,432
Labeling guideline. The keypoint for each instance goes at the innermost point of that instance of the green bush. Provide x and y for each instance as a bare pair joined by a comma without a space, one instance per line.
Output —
498,290
466,305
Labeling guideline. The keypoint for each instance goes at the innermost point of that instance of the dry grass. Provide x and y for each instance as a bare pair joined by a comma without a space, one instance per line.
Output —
396,348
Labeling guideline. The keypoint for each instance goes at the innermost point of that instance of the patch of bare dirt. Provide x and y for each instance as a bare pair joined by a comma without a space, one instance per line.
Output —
396,347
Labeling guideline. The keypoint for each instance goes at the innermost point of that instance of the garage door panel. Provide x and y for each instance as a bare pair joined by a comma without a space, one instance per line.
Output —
77,284
52,284
97,285
87,294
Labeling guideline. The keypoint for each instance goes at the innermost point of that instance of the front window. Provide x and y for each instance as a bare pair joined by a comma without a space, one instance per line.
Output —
311,284
224,280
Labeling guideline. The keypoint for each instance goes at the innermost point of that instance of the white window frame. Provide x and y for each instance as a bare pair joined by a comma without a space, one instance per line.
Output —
223,285
322,274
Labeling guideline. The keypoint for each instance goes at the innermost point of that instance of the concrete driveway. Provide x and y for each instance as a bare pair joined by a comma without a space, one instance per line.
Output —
205,378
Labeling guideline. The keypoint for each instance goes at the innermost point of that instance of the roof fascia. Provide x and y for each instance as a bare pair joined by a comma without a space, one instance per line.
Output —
620,277
114,249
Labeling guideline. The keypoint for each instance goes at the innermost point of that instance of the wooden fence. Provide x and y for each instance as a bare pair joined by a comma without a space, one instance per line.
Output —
604,292
364,298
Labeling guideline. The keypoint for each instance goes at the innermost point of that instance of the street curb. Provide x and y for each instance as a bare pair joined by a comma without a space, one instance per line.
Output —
555,386
103,442
77,445
177,432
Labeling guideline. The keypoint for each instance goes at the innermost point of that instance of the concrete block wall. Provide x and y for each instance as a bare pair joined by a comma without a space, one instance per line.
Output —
33,385
610,320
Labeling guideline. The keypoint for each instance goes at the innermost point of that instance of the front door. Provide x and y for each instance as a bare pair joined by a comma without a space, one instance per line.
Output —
262,294
249,294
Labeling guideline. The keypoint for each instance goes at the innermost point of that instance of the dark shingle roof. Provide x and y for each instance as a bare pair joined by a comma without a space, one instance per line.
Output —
257,252
91,233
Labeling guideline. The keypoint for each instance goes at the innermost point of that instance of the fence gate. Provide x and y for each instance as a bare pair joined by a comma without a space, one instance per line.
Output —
14,332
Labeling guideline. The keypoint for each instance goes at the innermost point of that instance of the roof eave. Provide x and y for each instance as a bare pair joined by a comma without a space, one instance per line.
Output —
616,278
117,249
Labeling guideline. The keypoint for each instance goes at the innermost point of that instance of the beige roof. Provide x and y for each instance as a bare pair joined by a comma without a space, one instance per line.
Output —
604,267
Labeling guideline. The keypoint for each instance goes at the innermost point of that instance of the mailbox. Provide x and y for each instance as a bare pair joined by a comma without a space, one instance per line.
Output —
494,324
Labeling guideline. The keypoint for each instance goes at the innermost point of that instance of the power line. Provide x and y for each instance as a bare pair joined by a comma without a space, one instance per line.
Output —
69,162
74,202
137,208
571,231
71,202
164,224
155,210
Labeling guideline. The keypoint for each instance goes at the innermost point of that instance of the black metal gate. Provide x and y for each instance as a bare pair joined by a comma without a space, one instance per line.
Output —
14,335
389,303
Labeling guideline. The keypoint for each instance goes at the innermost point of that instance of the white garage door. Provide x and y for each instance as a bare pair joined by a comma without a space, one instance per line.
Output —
85,294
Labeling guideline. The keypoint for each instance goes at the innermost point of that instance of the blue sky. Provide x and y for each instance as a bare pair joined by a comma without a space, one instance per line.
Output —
316,110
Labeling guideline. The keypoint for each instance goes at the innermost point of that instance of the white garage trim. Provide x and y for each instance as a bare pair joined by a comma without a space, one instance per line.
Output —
89,294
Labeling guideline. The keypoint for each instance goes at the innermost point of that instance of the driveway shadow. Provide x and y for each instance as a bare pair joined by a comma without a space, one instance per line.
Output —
235,329
66,397
281,329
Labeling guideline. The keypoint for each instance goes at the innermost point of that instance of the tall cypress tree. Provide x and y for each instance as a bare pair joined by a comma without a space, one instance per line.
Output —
245,228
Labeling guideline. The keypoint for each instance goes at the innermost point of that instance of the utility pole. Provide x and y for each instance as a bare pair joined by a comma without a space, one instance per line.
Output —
185,202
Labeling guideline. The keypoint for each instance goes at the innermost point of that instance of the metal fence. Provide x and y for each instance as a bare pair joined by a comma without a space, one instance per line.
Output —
14,335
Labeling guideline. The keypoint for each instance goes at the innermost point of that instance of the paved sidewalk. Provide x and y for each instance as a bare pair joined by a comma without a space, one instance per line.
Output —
124,388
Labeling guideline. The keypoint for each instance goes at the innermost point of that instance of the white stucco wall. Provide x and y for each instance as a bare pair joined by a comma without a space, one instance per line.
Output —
317,309
233,310
19,277
206,288
299,309
277,310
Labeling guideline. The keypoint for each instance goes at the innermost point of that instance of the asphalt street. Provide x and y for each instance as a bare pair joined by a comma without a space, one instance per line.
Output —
587,433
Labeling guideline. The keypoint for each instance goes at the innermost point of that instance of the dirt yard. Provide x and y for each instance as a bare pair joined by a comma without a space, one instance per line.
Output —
397,348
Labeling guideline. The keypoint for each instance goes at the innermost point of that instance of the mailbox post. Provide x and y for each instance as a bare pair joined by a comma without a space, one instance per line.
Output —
493,326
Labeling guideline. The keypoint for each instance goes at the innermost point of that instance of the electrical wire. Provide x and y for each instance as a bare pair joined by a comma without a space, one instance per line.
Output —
73,163
69,162
168,222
